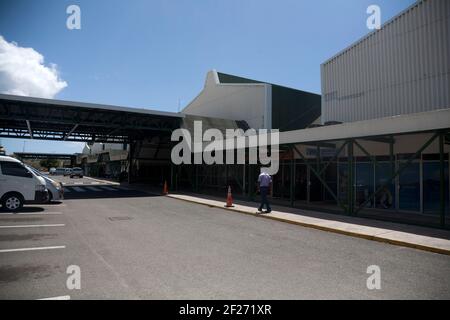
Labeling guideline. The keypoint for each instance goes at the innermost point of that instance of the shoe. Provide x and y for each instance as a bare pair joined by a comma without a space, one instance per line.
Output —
269,211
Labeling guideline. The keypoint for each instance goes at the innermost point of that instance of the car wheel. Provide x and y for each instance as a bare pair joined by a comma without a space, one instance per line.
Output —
12,202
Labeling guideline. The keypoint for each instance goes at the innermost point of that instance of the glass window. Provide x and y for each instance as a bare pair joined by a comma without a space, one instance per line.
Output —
431,187
301,182
331,180
364,183
343,182
14,169
409,187
386,197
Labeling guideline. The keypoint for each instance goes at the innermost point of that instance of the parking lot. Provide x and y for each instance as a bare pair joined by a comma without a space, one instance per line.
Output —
129,244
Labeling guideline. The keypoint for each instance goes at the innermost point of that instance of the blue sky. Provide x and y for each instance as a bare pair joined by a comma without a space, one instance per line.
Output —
153,54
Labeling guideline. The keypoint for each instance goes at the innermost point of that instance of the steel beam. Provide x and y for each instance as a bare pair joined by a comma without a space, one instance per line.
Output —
442,180
292,178
70,132
350,186
30,132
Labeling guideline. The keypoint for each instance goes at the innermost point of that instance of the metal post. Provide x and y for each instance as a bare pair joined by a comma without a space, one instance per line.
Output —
292,172
171,177
350,191
243,179
442,179
130,162
251,183
196,177
392,163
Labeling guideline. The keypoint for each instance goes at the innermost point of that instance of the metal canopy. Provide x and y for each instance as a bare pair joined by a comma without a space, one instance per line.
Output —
39,155
45,119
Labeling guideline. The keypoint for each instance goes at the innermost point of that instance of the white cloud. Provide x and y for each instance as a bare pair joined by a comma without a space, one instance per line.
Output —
23,72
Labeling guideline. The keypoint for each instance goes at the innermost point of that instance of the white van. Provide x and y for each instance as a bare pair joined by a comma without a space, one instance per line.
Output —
19,185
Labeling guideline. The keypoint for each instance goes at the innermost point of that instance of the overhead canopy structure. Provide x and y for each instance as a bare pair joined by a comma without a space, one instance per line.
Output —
39,156
397,125
46,119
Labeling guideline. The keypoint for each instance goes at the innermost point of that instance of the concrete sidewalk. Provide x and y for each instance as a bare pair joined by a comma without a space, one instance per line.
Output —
428,239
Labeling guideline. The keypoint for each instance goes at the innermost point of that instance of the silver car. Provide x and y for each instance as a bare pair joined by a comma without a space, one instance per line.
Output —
55,189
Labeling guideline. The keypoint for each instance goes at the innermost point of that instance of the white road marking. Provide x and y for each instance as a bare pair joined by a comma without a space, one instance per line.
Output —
29,213
31,249
33,226
55,205
57,298
78,189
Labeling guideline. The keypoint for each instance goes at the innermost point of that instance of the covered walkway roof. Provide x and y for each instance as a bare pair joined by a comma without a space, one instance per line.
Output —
47,119
397,125
40,155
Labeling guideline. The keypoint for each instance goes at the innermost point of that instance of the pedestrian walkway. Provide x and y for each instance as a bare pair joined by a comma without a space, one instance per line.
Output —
423,238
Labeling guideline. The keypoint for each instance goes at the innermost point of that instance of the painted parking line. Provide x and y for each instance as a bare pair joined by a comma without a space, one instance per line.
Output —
31,249
33,226
57,298
29,213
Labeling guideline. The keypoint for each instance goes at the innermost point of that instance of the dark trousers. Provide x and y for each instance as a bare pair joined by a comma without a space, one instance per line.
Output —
264,200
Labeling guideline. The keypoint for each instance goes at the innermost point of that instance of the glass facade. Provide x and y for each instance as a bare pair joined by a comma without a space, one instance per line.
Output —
409,187
364,180
386,198
415,190
431,187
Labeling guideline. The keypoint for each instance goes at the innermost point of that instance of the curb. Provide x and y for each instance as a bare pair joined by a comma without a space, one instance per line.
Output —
328,229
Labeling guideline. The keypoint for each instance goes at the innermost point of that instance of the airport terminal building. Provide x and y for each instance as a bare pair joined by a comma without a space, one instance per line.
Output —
376,143
379,146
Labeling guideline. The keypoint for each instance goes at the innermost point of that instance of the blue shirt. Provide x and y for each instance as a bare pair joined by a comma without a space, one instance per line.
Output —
264,180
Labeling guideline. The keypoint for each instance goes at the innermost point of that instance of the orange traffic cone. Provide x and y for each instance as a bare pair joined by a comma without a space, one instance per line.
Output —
229,199
165,189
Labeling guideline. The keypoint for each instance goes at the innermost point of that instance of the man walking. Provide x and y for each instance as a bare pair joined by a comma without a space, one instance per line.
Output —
264,186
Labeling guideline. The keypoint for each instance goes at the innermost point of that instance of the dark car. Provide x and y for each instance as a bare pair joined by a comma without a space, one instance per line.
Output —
76,172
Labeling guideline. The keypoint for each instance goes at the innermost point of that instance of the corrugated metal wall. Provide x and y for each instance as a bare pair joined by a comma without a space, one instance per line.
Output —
402,68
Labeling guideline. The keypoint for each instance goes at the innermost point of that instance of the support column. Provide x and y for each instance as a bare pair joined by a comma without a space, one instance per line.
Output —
392,163
350,187
171,177
292,178
196,177
130,162
251,183
441,180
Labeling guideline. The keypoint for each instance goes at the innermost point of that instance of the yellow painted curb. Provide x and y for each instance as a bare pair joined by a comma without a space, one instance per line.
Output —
327,229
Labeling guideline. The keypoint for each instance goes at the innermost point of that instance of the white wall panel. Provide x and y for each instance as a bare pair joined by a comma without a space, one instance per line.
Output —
402,68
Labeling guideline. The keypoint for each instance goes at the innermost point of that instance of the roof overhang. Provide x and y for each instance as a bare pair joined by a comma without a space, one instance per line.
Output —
397,125
46,119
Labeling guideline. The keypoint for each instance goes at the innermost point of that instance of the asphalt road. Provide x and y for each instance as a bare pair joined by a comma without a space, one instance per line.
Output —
131,245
